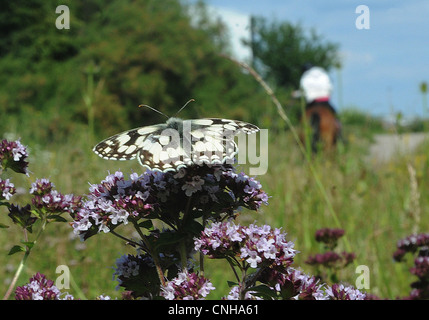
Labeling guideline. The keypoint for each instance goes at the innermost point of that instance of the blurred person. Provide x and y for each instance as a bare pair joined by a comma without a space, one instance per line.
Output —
316,87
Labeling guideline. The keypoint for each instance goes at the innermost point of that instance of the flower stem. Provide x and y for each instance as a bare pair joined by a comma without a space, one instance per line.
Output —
125,239
23,260
153,254
183,255
201,253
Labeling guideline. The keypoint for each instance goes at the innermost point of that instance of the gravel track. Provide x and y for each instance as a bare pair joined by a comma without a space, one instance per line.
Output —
387,146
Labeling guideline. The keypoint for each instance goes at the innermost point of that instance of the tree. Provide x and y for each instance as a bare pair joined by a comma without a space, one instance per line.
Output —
144,51
280,50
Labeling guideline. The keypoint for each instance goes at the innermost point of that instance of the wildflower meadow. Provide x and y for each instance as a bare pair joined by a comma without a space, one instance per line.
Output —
182,221
335,225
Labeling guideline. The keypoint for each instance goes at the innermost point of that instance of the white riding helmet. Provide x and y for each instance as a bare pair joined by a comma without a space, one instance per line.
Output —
315,83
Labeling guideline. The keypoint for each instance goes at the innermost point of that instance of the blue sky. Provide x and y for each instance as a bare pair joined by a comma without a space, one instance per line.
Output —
382,66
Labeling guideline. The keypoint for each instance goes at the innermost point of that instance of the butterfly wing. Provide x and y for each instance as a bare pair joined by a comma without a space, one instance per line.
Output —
126,145
209,141
163,153
213,139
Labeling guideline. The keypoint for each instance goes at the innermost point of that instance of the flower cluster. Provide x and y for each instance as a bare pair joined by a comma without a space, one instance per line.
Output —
293,284
7,189
331,259
187,286
40,288
302,286
200,190
47,198
411,244
13,155
126,266
234,294
329,236
47,203
138,275
258,246
416,243
421,268
342,292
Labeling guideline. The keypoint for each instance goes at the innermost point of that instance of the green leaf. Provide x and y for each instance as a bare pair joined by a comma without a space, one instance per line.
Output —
3,226
38,213
168,239
263,291
56,218
193,227
5,204
29,244
147,224
16,249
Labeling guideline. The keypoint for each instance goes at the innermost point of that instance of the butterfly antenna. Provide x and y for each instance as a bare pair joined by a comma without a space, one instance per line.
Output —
153,109
189,101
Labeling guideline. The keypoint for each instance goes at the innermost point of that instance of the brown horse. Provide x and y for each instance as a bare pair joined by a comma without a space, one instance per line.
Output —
325,128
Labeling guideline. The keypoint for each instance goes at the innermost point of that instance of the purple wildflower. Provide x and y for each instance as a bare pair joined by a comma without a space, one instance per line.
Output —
7,189
292,284
187,286
416,243
255,245
234,294
411,244
214,191
421,268
40,288
46,197
341,292
13,155
329,236
331,259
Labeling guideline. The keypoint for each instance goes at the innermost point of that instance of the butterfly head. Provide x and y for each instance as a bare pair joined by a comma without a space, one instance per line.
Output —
175,123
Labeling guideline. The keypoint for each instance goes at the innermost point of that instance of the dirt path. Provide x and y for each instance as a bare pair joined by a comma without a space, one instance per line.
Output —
386,146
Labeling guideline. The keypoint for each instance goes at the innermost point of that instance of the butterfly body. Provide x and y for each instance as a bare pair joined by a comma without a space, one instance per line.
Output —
176,143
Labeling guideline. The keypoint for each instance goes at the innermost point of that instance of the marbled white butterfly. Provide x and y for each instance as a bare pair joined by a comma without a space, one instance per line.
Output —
177,143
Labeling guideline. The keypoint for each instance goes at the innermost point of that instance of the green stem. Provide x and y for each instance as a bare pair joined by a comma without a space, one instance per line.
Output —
233,270
125,239
183,255
23,260
201,254
242,284
153,254
182,244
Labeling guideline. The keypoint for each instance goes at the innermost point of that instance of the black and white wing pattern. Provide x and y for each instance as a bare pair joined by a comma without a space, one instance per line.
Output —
177,143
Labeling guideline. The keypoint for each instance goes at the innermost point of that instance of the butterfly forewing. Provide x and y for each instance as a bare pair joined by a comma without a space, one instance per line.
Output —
177,143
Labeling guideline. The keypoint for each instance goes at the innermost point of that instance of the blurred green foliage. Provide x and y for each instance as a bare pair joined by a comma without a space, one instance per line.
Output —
133,52
281,49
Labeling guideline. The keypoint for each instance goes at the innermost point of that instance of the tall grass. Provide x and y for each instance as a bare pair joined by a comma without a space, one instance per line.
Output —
375,205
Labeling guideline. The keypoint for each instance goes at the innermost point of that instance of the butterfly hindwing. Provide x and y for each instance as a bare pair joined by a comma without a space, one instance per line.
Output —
208,140
125,145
